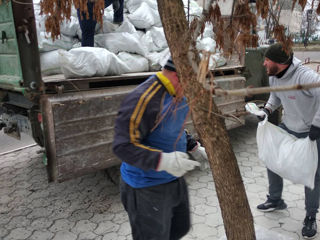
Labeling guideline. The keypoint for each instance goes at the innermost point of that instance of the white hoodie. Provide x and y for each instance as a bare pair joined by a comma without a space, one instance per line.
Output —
301,107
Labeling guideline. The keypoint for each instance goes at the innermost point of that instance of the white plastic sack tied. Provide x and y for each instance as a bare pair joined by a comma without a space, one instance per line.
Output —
89,62
295,159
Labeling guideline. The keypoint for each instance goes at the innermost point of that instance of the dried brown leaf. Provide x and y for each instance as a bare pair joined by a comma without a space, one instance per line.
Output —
286,41
215,13
262,8
303,3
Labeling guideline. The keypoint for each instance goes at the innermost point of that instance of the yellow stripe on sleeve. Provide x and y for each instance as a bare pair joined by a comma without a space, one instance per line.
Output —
141,112
136,110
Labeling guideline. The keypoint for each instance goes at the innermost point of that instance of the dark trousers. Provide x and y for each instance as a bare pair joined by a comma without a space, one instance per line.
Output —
88,25
158,212
311,196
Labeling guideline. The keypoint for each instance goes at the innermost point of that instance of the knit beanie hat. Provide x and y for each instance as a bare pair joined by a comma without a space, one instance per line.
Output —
170,65
276,54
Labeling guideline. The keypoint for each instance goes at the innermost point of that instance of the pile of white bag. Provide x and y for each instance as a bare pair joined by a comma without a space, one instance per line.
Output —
137,45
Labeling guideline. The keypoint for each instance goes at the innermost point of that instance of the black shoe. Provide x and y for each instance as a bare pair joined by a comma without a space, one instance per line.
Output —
309,230
272,205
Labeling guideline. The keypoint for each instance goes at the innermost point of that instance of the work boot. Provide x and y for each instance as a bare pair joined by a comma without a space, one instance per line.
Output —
272,205
309,230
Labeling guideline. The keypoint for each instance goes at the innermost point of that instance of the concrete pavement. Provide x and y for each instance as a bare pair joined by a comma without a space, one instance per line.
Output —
89,207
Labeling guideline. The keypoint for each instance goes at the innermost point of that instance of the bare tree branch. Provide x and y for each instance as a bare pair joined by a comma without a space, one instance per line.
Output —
253,91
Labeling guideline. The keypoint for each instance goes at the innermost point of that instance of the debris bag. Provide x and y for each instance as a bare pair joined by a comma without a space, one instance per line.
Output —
147,41
157,59
292,158
70,27
49,62
47,44
126,26
136,63
121,42
206,44
89,62
158,37
145,17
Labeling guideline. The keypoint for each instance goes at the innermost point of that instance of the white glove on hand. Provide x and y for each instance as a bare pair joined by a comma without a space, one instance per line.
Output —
176,163
199,154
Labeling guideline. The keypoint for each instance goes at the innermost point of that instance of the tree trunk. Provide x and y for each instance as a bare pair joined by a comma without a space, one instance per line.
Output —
236,214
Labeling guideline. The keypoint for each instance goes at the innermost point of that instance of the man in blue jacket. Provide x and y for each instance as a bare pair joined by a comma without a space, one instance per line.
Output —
301,118
88,25
152,144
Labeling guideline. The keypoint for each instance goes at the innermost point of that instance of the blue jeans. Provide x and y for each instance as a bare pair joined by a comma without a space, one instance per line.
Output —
88,25
311,196
159,212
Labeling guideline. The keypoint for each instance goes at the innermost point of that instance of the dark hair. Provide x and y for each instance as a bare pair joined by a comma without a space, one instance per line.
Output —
170,65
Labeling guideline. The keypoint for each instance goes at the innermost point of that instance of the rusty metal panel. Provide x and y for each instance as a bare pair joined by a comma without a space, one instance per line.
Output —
79,131
231,104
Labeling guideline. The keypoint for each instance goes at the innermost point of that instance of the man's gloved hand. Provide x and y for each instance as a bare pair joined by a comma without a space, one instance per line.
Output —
314,133
263,113
176,163
199,153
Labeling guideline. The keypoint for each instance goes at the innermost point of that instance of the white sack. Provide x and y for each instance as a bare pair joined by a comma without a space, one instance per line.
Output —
74,11
89,62
47,44
208,31
49,62
216,60
121,42
158,37
126,26
132,5
145,17
108,14
147,41
152,3
157,59
70,27
195,9
107,26
292,158
206,44
136,63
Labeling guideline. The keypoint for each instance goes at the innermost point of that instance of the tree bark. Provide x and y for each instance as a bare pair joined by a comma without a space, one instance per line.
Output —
236,214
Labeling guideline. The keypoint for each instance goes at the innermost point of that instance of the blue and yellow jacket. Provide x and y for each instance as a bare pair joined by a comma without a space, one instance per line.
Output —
150,120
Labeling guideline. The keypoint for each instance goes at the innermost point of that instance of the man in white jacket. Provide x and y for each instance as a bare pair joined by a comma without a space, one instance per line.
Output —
301,117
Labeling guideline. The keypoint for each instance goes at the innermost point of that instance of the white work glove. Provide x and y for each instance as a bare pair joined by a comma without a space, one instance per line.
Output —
261,113
176,163
199,154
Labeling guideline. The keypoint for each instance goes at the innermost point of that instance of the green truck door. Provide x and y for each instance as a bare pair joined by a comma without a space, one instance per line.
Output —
19,55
